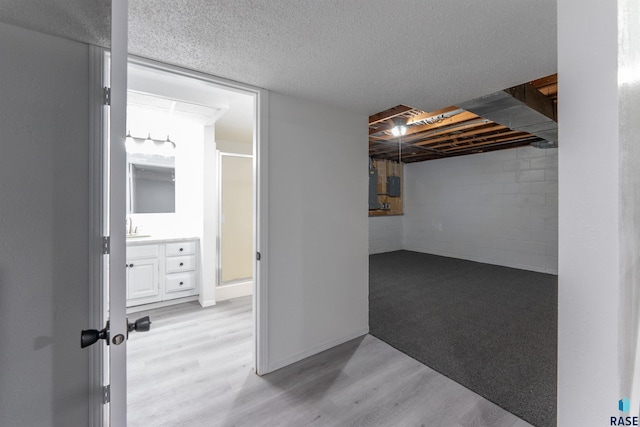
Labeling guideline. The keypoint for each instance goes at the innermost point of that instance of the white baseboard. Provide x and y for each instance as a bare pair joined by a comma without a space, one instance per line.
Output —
484,261
207,303
235,290
144,307
315,350
375,251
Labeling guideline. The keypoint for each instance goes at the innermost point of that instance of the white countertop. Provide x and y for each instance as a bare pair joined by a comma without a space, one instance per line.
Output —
135,241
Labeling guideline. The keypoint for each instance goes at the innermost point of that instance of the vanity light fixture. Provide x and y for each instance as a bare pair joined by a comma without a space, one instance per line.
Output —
150,146
168,146
130,143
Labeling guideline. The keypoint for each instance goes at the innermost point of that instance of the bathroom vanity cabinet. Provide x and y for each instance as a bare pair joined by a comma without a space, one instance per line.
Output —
142,267
161,270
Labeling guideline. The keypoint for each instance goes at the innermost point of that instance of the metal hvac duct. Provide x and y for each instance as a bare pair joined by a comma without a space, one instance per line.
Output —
521,108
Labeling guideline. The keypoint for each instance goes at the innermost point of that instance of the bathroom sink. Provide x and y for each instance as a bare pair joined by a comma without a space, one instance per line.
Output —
137,236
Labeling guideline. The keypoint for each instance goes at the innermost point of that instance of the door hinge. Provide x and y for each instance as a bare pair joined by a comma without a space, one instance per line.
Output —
106,245
106,95
106,394
258,256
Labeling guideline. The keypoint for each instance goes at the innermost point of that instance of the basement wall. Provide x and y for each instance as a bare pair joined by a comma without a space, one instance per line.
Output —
599,280
385,234
498,208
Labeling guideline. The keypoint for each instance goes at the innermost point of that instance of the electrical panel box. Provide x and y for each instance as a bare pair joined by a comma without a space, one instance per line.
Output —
393,186
386,199
373,189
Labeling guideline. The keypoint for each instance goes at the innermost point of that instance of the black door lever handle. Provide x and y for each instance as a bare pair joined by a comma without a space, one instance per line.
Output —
143,324
91,336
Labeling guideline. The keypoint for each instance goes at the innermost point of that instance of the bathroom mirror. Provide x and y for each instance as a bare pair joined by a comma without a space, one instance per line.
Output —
151,184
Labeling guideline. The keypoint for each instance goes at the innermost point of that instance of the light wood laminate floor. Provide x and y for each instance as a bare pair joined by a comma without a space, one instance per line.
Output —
194,369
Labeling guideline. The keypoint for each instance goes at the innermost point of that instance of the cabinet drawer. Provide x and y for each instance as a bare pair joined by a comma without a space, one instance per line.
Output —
181,248
176,264
142,251
180,282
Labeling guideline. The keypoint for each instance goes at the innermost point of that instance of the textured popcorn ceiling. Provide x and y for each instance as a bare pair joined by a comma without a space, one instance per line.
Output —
81,20
365,55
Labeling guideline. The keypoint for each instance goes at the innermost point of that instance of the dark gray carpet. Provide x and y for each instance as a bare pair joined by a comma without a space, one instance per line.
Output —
492,329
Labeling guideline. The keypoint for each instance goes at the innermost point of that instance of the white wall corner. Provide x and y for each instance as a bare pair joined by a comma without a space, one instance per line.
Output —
590,313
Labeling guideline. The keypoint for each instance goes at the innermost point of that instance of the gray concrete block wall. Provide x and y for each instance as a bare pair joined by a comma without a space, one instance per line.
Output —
385,234
498,208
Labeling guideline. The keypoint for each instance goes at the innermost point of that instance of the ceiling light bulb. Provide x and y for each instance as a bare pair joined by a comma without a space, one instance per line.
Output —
398,130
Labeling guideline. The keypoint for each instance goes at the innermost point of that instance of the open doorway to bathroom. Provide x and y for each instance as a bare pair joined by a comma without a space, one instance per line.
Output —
191,216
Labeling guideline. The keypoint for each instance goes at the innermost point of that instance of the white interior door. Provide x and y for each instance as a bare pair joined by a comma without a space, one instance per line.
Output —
117,213
108,165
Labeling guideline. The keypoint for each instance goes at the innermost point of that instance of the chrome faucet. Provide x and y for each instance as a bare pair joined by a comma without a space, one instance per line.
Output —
129,226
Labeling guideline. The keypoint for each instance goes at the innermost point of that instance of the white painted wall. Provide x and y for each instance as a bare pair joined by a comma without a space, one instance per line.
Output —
598,211
44,213
208,244
236,147
317,249
498,208
385,234
629,105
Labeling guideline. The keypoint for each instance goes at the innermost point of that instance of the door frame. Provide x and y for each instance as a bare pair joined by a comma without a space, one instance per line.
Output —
98,164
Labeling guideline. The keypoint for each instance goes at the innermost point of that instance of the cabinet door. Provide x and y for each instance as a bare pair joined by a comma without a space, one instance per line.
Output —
142,279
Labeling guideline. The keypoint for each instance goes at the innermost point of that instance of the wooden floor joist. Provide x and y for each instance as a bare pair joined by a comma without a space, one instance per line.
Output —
451,131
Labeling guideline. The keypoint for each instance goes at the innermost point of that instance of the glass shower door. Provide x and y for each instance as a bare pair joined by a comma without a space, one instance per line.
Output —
236,219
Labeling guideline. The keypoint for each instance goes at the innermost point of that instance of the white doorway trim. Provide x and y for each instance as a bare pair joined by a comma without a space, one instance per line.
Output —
114,214
260,232
106,120
99,204
97,227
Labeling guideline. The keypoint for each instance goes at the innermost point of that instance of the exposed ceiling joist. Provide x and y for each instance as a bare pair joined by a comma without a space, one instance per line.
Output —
548,86
449,133
388,114
508,137
451,146
468,137
417,117
524,138
427,116
454,131
534,99
417,129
